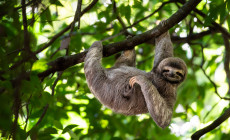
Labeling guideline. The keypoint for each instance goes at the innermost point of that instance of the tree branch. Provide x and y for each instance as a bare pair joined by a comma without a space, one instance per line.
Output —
212,126
227,60
193,36
55,37
67,28
210,80
214,24
63,63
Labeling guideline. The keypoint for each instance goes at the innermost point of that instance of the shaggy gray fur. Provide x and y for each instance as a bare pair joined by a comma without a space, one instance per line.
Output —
154,92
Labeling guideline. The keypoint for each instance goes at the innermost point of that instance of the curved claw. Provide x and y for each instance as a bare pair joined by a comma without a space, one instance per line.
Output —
132,81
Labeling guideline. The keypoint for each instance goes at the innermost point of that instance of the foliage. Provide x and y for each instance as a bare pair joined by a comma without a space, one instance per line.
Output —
60,106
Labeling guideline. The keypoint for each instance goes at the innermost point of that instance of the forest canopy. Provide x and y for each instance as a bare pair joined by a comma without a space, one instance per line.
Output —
43,90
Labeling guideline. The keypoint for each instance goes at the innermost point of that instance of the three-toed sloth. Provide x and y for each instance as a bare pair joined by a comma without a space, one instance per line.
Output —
130,91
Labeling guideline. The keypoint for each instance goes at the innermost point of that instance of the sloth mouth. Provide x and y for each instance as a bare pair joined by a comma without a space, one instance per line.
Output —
172,78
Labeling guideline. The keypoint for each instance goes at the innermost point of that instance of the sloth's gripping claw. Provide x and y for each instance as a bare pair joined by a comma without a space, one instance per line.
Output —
132,81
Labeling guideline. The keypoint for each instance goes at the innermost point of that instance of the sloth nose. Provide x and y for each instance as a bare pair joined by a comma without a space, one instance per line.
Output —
172,73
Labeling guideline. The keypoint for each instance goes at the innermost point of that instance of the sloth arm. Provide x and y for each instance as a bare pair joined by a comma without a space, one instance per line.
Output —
95,73
156,104
163,49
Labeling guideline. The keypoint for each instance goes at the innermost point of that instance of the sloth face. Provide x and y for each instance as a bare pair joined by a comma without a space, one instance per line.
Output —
173,75
173,70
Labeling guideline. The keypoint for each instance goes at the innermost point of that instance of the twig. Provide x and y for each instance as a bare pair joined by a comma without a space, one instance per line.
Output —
41,118
55,82
16,108
158,9
212,126
216,25
55,37
26,34
47,105
120,19
227,60
211,81
212,108
15,51
79,13
76,16
64,62
193,36
67,28
25,5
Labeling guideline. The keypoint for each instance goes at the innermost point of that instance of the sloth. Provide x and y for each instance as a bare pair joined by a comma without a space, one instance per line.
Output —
130,91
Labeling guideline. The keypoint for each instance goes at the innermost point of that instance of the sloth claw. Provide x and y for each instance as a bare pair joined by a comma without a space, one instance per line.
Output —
132,81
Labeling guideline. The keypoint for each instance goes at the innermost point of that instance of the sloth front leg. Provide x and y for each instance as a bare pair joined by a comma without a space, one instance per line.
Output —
94,71
157,105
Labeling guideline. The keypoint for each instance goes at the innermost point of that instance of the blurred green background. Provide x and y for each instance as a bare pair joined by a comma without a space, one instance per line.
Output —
60,106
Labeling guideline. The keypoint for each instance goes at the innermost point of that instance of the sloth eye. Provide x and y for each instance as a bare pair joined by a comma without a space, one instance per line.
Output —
165,70
180,74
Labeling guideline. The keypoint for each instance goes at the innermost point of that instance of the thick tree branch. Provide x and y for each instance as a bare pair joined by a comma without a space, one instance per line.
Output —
110,49
212,126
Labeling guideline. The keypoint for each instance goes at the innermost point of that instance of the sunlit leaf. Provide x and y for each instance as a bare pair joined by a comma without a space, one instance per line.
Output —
68,128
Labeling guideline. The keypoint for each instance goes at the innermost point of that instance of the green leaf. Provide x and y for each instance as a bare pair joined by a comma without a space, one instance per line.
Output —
50,130
222,9
228,21
40,65
57,124
68,128
127,12
56,2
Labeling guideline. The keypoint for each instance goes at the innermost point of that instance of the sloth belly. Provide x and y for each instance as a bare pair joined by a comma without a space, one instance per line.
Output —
120,97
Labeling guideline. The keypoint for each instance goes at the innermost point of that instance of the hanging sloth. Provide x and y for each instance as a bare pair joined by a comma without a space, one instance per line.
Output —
130,91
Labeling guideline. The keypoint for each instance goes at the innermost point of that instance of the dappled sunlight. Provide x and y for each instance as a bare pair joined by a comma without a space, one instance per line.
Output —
43,88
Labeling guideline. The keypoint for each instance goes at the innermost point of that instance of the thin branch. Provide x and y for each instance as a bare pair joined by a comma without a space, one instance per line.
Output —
55,82
26,34
158,9
212,126
63,63
117,15
28,112
210,80
227,60
67,28
212,108
15,51
47,105
124,30
55,37
76,16
42,116
79,13
193,36
16,108
25,5
214,24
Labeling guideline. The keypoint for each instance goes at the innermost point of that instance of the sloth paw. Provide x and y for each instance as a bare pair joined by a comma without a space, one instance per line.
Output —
97,44
132,81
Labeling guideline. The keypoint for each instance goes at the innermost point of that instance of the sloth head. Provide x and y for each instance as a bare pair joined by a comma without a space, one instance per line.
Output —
173,70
